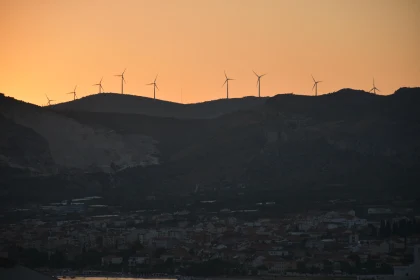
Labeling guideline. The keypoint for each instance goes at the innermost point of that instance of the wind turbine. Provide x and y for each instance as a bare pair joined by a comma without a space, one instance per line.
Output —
259,82
122,80
100,85
374,89
73,92
154,87
315,85
49,100
227,85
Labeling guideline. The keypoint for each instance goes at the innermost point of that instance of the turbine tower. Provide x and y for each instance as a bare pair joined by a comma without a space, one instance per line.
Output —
374,89
259,82
154,87
100,85
227,85
73,92
315,85
122,80
49,100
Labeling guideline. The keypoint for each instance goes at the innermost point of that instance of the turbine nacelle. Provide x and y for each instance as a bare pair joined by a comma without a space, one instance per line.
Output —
49,100
227,79
315,85
227,84
154,86
259,81
74,93
122,80
374,88
100,85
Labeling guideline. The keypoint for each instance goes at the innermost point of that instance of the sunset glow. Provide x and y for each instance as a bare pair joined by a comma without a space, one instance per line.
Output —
50,46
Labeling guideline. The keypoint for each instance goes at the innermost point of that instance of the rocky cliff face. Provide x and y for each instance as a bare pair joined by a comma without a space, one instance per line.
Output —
68,143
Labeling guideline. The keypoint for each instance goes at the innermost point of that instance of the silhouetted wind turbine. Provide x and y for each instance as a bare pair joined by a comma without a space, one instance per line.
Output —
154,87
73,92
374,89
227,85
122,80
315,85
49,100
100,85
259,82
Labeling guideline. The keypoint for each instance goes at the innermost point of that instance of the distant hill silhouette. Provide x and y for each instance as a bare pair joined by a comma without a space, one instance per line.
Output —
132,104
369,144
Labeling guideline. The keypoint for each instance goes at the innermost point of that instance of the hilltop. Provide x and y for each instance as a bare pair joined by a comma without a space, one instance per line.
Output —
132,104
362,142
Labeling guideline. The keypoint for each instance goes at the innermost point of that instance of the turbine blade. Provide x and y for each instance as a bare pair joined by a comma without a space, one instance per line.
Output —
313,78
224,82
156,86
75,88
319,82
314,86
226,75
255,73
150,84
263,75
156,78
377,89
124,71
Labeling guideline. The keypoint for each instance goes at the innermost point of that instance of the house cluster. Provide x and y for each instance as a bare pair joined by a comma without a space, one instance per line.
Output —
335,242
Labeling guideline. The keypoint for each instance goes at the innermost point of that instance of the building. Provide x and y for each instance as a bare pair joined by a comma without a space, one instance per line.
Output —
412,271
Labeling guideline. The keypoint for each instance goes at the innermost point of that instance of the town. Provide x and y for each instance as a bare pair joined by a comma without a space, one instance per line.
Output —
82,237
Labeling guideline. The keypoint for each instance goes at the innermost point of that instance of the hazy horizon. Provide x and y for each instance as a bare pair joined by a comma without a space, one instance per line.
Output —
54,45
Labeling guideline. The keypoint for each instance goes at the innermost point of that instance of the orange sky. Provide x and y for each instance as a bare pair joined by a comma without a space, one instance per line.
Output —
49,46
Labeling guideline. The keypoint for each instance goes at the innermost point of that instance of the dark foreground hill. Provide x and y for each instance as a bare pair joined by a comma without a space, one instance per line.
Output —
44,141
131,104
344,144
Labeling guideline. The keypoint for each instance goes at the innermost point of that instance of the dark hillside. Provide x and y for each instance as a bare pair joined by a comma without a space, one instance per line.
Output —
131,104
344,144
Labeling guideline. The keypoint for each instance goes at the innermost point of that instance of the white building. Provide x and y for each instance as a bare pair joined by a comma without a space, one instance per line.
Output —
412,271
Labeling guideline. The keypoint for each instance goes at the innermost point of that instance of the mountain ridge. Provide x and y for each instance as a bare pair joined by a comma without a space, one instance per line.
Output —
133,104
350,137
